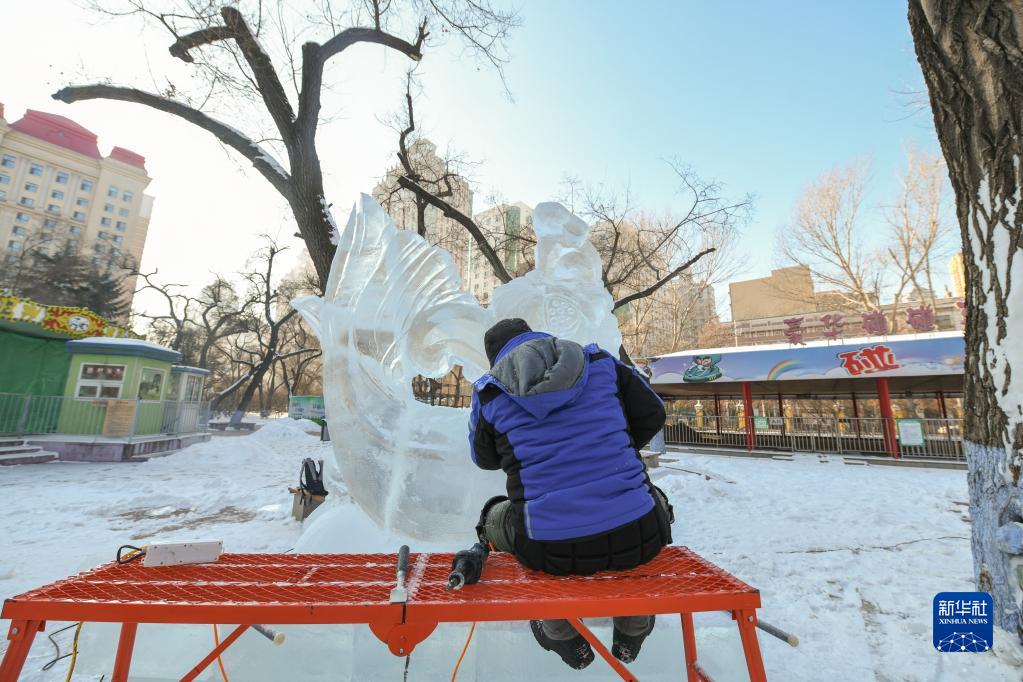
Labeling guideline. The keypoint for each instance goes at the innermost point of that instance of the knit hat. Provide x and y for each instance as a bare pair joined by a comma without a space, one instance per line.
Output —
501,333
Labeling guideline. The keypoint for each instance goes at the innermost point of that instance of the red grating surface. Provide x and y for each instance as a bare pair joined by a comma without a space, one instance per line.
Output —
348,587
678,579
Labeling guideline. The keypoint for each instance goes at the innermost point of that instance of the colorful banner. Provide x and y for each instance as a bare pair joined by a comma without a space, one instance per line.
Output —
889,357
75,323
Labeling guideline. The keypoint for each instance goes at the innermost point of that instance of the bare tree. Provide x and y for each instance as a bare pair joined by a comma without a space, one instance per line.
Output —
231,49
167,328
825,235
971,55
918,230
270,313
653,254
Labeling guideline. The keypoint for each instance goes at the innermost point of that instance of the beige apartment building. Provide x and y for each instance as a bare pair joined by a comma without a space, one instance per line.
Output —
787,291
403,208
58,191
761,306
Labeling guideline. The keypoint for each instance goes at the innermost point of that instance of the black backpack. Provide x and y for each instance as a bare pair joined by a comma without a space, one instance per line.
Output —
310,478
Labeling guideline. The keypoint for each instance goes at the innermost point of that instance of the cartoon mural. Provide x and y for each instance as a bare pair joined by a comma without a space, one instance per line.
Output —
703,369
940,353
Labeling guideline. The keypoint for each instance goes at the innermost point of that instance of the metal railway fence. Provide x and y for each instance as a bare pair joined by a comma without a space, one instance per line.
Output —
940,439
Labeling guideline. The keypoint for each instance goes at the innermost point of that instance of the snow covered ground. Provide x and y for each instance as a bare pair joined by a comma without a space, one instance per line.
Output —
846,557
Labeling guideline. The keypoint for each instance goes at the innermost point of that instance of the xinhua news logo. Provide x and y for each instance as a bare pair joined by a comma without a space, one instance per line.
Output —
963,622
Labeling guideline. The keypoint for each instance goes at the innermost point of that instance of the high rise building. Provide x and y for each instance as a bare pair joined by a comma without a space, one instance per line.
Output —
58,191
404,208
509,229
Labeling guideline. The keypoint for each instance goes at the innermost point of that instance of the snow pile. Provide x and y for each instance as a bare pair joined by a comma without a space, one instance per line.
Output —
847,558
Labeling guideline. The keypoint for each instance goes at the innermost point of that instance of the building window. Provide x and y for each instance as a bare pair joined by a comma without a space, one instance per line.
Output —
8,161
81,201
22,218
128,196
3,194
5,179
53,208
105,222
14,245
100,381
31,187
101,235
35,169
193,389
43,250
99,248
112,191
123,212
72,244
109,208
114,252
62,178
86,185
151,384
121,226
18,230
56,194
78,215
75,231
118,239
27,201
49,224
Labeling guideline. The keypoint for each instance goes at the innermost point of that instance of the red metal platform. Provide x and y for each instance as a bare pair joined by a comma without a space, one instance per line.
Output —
355,588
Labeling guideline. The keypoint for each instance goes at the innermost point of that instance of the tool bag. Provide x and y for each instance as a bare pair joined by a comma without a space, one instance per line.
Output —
310,492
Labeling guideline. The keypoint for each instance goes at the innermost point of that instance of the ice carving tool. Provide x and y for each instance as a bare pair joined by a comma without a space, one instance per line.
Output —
399,595
467,567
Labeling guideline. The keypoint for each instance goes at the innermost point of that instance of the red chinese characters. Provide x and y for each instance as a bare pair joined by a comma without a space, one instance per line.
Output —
879,358
875,323
794,331
833,325
920,319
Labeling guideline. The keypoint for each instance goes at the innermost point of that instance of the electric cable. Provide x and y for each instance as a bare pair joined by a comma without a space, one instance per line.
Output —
57,656
136,553
216,640
74,653
464,649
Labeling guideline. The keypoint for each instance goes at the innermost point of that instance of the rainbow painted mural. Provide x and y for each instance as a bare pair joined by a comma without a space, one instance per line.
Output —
906,355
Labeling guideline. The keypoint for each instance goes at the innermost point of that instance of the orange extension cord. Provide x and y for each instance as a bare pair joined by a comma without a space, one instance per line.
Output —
216,640
464,649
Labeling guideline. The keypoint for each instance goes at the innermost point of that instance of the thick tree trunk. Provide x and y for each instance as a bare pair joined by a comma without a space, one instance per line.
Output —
971,54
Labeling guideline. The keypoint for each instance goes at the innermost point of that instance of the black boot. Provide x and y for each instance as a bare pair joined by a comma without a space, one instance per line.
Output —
626,647
575,652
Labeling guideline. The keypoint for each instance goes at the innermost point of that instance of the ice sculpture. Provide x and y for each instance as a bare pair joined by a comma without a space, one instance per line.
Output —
393,309
564,293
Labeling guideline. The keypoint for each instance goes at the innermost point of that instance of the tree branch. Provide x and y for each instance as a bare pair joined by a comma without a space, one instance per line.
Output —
260,158
664,280
465,221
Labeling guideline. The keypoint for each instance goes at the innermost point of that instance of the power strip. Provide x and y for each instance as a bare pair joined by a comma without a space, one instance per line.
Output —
178,553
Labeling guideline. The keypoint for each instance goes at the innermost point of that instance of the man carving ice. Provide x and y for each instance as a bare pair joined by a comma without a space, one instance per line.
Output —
565,422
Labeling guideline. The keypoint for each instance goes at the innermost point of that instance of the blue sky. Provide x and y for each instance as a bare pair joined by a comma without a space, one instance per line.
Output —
762,96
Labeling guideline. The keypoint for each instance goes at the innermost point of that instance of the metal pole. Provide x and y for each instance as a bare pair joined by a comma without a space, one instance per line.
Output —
747,407
888,421
717,415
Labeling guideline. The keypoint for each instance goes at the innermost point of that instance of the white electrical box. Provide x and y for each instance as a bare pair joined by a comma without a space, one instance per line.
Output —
177,553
